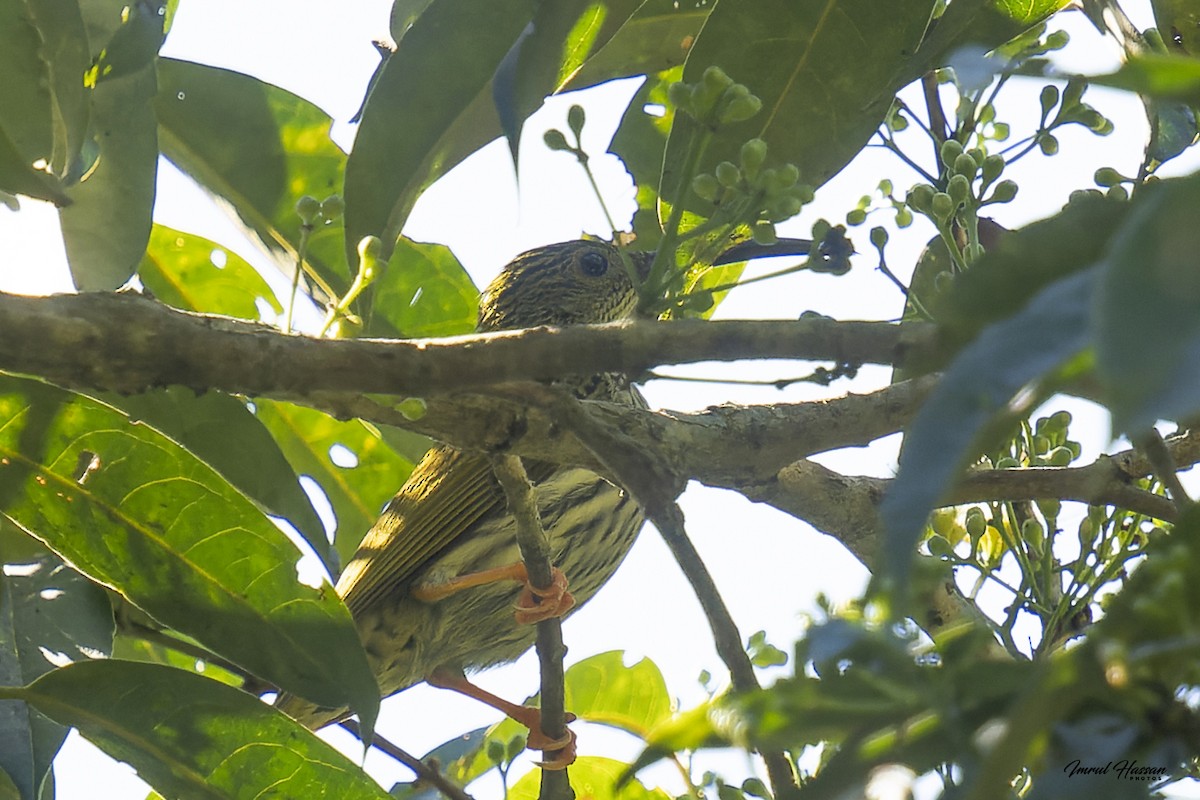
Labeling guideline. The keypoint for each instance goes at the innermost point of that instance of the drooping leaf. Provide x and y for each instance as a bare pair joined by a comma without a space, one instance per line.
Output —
107,225
18,177
602,689
310,440
65,50
1167,77
655,39
26,100
133,510
821,99
423,292
1150,281
49,615
226,435
980,25
430,107
261,149
189,736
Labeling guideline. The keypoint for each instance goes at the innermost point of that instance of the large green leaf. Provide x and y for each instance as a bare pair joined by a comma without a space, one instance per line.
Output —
592,777
135,511
260,148
65,50
192,737
641,141
979,24
193,273
656,38
18,177
560,38
107,225
219,430
423,292
429,108
310,440
1146,320
822,99
49,614
26,101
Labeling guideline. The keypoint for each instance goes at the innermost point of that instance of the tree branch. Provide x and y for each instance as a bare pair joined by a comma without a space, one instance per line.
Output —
535,552
127,343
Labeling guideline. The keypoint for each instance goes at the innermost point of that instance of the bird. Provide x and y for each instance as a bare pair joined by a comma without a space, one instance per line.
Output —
433,585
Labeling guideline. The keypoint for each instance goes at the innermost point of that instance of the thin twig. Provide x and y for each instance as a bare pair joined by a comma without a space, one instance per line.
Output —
424,772
535,551
655,488
1160,458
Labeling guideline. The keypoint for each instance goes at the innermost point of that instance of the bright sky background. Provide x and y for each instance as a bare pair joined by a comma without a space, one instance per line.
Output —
769,565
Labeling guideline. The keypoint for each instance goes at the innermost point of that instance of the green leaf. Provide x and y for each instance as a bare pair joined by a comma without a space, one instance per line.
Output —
1148,302
602,689
260,148
821,99
656,38
219,430
423,292
358,493
18,177
8,789
429,109
133,510
982,24
193,273
65,50
26,101
591,777
1167,77
107,225
978,385
49,614
189,736
553,47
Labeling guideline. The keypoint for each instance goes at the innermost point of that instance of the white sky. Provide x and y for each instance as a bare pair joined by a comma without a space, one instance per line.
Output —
321,50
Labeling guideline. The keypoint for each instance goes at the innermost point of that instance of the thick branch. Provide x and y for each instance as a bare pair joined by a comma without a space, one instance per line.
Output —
128,343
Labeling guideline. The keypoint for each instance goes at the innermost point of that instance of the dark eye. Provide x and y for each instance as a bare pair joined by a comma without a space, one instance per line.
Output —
594,264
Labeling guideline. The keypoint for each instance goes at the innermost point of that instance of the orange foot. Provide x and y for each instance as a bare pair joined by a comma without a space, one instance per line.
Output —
559,753
534,605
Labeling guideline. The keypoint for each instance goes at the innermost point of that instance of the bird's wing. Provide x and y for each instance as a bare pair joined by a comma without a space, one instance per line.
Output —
447,493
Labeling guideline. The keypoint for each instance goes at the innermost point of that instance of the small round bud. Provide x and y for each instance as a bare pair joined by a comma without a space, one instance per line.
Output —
575,119
412,408
976,523
965,165
754,153
904,217
716,80
369,250
1048,99
706,187
992,167
951,150
333,207
1073,93
820,230
959,189
943,206
740,108
728,174
1004,192
879,236
1059,457
1117,193
1057,40
555,140
920,197
786,208
308,209
1107,176
788,175
764,233
679,94
804,193
856,216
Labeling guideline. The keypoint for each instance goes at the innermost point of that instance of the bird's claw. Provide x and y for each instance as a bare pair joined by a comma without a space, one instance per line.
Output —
534,605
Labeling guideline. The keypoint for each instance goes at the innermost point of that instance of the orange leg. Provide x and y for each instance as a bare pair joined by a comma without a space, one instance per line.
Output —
533,605
559,753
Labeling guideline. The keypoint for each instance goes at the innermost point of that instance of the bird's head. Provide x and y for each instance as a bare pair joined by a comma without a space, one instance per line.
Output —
570,283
